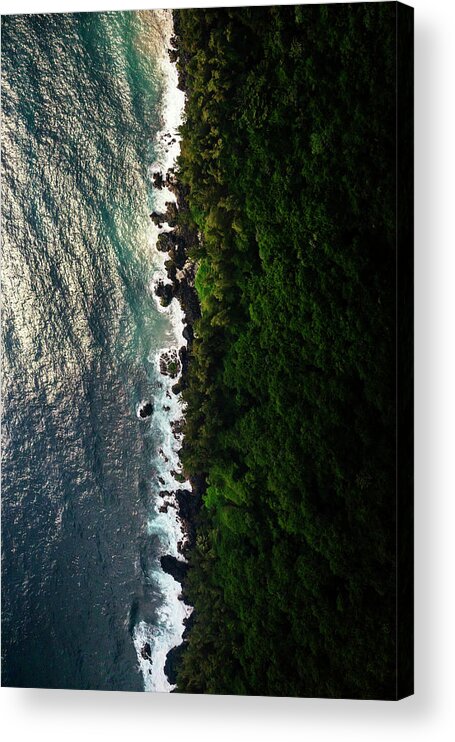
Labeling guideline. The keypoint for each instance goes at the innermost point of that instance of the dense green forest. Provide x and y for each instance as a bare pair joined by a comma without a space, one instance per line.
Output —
288,152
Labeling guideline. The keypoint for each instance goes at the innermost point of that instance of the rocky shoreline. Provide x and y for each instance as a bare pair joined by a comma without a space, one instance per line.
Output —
181,270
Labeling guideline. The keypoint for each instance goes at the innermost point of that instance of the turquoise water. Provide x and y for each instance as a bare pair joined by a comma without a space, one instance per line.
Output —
82,107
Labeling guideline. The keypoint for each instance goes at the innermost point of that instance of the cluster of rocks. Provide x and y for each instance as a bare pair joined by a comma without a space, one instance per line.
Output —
165,292
173,245
170,364
188,505
181,285
165,181
177,427
169,216
164,508
181,277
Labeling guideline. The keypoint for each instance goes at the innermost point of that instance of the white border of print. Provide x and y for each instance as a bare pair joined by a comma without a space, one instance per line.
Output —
45,716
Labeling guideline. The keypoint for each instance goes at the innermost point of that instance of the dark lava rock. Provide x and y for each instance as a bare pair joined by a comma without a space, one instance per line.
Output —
158,219
146,652
172,244
187,295
174,567
171,270
165,291
179,387
171,213
170,363
164,508
189,504
145,410
172,663
184,357
171,180
166,241
177,427
174,656
188,333
158,181
178,255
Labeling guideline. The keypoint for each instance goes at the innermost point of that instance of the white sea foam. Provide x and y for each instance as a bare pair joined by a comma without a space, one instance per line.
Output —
163,635
164,521
168,139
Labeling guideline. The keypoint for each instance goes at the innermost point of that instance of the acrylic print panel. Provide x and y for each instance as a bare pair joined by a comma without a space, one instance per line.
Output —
207,350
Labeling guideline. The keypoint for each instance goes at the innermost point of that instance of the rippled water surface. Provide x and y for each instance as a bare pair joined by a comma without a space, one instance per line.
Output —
83,104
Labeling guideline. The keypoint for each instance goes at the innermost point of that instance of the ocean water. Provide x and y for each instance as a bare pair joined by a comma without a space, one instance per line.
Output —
87,102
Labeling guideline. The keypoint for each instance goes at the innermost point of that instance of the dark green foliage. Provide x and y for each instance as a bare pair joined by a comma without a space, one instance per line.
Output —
288,152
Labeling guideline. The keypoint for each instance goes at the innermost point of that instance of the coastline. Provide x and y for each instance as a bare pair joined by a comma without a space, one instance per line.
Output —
180,272
176,238
174,495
